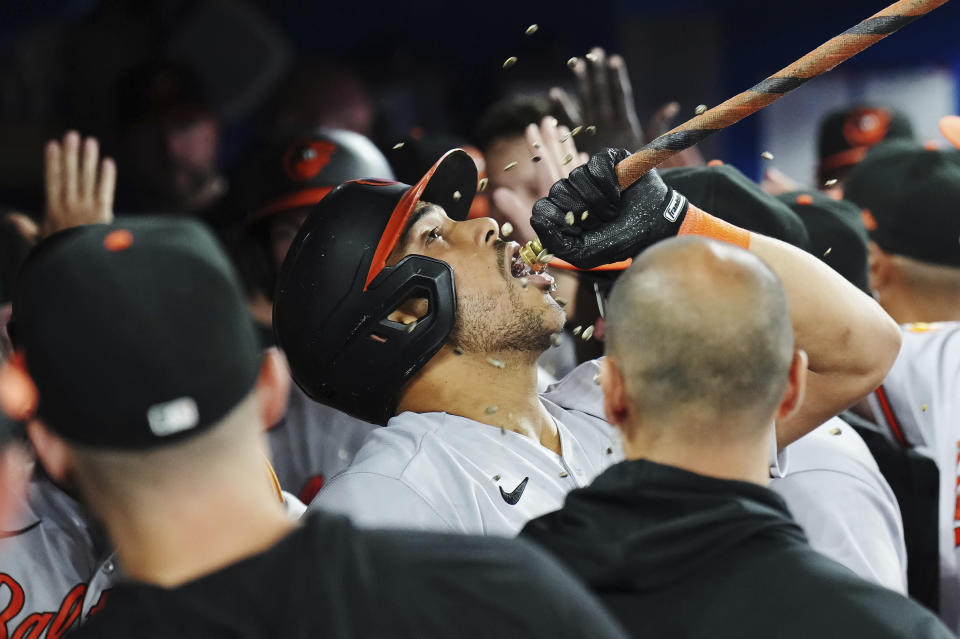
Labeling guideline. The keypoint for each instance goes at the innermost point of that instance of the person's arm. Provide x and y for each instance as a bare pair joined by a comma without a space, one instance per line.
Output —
850,342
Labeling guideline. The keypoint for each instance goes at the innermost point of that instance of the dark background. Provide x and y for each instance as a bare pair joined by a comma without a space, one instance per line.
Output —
428,64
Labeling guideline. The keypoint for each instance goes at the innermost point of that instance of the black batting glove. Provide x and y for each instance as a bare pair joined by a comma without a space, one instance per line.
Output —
608,226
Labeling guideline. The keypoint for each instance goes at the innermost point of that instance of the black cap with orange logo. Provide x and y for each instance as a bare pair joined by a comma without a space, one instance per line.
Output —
847,134
134,334
910,196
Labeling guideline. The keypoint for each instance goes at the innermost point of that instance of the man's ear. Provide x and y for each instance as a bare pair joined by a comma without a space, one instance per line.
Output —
614,392
273,387
796,387
52,452
412,310
881,267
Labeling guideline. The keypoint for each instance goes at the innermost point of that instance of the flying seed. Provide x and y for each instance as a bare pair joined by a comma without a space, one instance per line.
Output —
609,451
592,130
561,301
496,362
555,339
584,215
544,257
564,137
587,333
531,29
503,431
412,326
572,62
509,62
576,330
398,145
828,251
835,431
536,158
567,159
490,410
456,196
923,408
767,155
830,182
569,218
596,378
482,185
563,473
536,145
592,57
576,130
506,229
542,254
701,109
496,478
524,283
510,166
457,350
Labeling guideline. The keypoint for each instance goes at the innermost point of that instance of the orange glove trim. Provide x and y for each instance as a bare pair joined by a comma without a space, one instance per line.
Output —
701,223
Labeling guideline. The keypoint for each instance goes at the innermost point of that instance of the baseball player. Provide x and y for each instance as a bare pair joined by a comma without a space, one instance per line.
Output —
288,175
173,467
403,314
909,194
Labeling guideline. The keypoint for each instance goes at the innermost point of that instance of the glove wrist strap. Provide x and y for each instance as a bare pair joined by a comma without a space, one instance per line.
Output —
701,223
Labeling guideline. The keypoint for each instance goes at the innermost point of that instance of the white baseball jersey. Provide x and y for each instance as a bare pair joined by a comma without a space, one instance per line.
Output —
436,471
312,444
919,402
54,565
836,493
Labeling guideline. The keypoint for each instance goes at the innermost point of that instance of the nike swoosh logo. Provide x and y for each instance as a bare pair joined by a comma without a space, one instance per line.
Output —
514,496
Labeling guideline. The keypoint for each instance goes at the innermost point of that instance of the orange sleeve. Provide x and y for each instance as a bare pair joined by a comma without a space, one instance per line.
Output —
701,223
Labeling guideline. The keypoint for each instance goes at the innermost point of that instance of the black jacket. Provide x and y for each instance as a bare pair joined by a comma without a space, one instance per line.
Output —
327,579
676,554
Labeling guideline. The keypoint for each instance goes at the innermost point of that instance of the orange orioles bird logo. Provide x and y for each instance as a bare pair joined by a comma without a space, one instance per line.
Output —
304,160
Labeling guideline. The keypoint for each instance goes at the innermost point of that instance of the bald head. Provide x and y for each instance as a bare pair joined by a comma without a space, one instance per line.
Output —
701,333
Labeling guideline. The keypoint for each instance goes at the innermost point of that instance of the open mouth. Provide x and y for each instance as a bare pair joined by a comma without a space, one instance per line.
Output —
520,270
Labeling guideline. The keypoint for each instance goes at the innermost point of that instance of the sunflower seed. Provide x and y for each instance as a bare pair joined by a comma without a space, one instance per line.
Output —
563,473
767,155
531,29
412,326
609,451
569,218
542,254
506,229
701,109
576,130
564,138
503,431
496,362
457,350
510,166
828,251
456,196
398,145
490,410
496,478
923,408
830,182
509,62
524,283
576,330
567,159
835,431
592,57
596,378
592,130
584,215
482,185
544,257
561,301
572,62
536,145
555,339
587,333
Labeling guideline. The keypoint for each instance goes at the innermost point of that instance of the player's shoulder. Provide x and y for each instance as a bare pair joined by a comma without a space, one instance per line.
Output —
833,446
388,451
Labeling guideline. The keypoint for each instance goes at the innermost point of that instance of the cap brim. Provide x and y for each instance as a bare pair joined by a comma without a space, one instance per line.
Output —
950,128
451,183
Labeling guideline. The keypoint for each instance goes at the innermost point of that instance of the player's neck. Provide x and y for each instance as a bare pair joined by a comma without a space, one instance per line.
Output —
498,389
739,460
172,537
906,307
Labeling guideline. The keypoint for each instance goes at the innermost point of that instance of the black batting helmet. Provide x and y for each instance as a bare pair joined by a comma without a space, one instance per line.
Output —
335,290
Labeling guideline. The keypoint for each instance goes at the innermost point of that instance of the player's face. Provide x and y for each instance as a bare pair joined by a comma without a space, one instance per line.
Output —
499,308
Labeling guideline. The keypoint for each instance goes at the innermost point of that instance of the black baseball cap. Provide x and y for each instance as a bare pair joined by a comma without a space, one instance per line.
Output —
909,197
836,233
847,134
135,334
725,192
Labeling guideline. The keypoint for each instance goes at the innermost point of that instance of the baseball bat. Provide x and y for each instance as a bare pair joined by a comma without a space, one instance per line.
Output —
819,61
